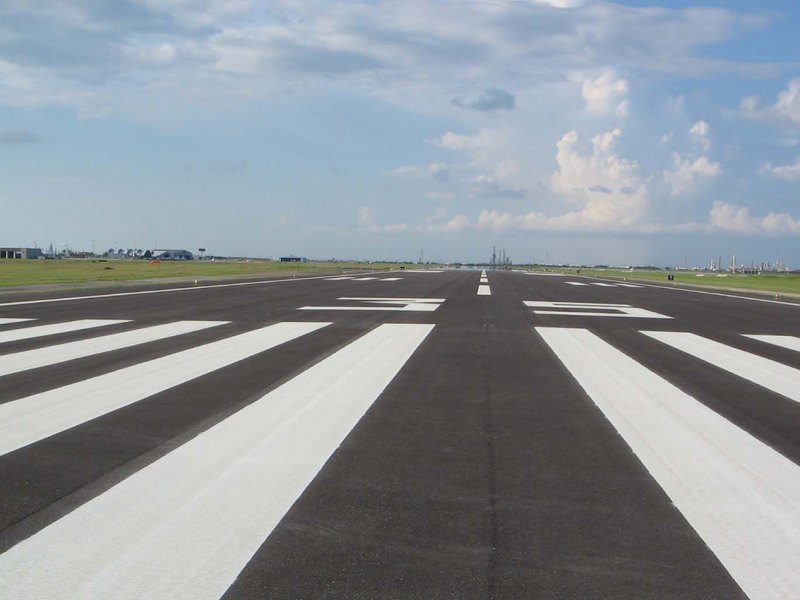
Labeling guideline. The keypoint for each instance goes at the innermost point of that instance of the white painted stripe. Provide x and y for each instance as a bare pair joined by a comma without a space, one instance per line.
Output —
161,291
741,496
484,280
611,310
338,278
184,526
391,278
484,290
59,353
8,321
364,278
575,283
28,333
767,373
629,285
36,417
785,341
603,284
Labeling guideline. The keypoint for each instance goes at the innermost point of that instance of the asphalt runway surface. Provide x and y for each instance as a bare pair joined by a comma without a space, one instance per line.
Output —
400,435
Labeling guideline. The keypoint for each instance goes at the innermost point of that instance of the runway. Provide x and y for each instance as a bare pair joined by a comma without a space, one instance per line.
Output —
408,434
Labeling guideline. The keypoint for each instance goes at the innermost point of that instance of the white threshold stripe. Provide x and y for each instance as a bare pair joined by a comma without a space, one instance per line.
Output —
28,333
767,373
59,353
30,419
604,284
785,341
741,496
185,526
484,290
575,283
8,321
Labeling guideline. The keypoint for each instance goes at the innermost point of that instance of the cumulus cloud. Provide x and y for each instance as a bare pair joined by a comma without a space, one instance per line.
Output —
490,100
699,131
687,172
606,94
738,219
606,189
15,138
787,172
785,109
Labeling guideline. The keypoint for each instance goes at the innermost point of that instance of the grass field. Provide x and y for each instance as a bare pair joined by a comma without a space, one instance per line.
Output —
14,273
774,283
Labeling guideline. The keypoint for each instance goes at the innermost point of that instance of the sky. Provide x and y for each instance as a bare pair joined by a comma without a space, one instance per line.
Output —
563,131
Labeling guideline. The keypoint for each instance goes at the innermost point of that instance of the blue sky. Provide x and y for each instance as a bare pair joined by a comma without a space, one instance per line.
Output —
582,131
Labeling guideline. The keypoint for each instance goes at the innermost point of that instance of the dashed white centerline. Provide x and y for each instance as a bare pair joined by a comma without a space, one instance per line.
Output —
484,290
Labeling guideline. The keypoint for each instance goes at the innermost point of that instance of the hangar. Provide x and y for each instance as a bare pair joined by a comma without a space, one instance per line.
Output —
20,253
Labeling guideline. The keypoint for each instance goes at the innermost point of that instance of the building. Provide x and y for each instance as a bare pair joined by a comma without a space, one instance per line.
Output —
173,255
18,253
292,259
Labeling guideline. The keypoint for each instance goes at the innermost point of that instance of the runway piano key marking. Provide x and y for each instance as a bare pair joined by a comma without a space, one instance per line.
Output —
30,419
9,321
596,310
767,373
58,353
385,304
27,333
785,341
741,496
185,526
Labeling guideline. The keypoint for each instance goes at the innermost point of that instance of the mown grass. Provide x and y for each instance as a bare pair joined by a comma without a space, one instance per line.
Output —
14,273
779,283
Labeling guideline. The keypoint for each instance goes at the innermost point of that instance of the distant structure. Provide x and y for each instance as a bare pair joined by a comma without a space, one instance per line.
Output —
172,254
292,259
20,253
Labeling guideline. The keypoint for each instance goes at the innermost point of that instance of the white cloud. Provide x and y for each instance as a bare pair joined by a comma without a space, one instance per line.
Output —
788,172
699,131
437,171
786,108
366,216
687,172
738,219
606,94
582,175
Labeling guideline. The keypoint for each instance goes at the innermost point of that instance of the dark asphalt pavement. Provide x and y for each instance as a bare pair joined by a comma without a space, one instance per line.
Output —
482,470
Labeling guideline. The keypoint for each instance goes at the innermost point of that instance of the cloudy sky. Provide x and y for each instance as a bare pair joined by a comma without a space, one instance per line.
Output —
583,131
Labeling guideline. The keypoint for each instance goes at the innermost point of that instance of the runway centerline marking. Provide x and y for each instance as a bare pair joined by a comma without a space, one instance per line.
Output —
385,304
58,353
597,310
767,373
484,290
27,420
187,524
741,496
